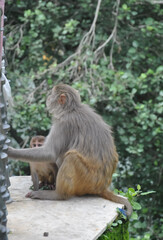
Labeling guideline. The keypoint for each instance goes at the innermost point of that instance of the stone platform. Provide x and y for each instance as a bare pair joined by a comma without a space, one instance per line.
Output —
79,218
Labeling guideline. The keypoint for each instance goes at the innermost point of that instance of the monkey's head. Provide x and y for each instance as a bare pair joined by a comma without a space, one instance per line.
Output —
37,141
62,98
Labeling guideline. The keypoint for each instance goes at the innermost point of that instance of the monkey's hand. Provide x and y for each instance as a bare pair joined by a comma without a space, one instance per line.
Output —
10,150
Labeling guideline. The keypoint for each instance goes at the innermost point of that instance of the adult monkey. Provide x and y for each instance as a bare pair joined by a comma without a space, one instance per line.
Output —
43,173
81,144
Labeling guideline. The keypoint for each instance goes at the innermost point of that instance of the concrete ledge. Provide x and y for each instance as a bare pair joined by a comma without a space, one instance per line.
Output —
83,218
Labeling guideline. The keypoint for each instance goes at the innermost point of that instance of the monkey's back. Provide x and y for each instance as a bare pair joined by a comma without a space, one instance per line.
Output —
92,136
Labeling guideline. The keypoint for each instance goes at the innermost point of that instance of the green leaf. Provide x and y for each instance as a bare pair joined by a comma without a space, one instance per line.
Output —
115,224
146,193
149,21
135,44
155,163
132,51
138,225
115,175
136,205
131,190
50,81
138,187
159,69
134,13
119,221
143,76
105,237
134,216
124,6
27,13
93,100
150,28
147,236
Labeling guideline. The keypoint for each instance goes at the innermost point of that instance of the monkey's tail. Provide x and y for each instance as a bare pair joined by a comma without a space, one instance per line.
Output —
118,199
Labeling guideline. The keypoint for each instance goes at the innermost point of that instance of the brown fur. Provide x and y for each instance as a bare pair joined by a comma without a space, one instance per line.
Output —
45,173
81,144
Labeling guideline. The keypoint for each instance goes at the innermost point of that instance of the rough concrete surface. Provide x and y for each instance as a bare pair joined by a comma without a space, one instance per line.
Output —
79,218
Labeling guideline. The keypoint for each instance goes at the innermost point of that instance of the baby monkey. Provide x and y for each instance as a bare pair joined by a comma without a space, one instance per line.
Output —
43,174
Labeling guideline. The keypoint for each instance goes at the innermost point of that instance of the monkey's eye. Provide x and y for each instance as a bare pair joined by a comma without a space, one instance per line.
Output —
34,145
39,145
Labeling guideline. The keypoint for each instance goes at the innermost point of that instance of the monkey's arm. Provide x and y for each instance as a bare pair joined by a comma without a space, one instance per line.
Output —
32,154
49,152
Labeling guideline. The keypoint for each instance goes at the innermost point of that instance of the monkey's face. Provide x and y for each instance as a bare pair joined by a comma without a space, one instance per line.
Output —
36,144
37,141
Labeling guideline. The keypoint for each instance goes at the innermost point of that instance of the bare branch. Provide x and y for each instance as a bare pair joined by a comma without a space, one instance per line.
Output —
156,2
90,35
112,36
115,34
105,43
31,95
16,46
149,1
25,142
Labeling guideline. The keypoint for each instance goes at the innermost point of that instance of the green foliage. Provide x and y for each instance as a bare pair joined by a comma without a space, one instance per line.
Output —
18,169
118,232
119,228
123,83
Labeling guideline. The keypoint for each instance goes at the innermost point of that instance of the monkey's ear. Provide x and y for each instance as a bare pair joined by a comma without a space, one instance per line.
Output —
62,99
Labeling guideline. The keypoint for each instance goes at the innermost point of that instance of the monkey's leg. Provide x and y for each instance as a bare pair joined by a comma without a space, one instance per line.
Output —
35,181
55,170
76,176
58,194
46,194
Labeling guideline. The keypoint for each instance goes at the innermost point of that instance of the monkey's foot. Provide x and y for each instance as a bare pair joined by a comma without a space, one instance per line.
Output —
32,195
45,195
